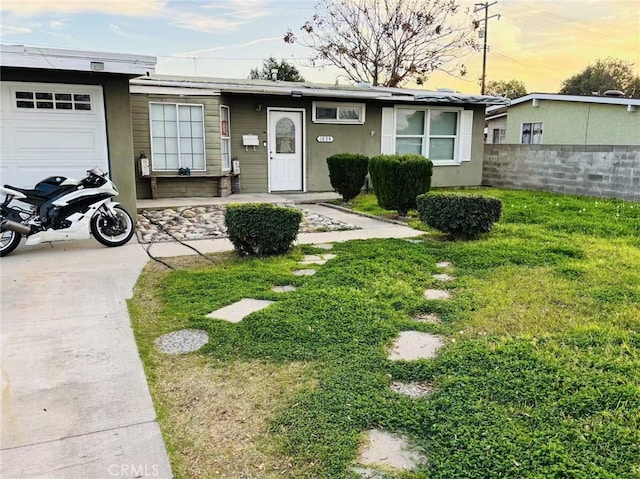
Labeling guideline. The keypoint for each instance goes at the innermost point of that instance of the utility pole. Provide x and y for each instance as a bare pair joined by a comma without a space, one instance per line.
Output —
485,6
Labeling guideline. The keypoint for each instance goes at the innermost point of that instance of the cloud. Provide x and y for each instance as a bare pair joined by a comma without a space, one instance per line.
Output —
57,24
194,21
10,29
116,7
227,47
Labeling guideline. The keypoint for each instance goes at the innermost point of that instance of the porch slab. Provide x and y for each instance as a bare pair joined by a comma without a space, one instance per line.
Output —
236,312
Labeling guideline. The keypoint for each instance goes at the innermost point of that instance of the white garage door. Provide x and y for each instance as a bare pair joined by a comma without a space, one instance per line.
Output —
50,129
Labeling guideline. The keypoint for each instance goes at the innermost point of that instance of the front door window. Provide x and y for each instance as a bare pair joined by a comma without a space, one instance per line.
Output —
285,136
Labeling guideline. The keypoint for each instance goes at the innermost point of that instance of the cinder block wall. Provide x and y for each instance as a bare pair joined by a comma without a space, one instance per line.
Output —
605,171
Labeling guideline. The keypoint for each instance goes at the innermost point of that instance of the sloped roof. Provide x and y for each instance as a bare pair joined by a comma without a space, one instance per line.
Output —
609,100
307,89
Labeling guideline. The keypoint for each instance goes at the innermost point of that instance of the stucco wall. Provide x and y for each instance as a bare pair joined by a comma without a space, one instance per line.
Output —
575,123
611,171
118,118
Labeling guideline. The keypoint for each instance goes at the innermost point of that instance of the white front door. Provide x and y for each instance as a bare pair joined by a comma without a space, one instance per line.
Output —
286,144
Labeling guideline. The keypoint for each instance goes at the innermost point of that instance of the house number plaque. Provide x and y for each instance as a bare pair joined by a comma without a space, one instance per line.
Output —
325,139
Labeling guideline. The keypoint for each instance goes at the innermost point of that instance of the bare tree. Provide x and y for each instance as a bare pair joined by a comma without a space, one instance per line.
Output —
386,42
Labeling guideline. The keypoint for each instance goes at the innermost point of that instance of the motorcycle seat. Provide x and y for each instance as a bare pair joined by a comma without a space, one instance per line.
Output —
36,197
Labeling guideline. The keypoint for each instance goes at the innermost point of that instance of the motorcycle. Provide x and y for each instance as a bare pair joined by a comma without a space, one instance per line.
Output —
62,209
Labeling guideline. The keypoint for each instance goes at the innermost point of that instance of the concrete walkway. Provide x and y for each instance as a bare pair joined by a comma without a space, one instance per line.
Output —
370,228
75,402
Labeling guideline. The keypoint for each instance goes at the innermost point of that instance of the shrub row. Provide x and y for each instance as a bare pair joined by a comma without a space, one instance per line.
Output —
461,216
260,229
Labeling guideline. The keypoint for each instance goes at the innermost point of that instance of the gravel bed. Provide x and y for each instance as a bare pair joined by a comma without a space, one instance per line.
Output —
207,222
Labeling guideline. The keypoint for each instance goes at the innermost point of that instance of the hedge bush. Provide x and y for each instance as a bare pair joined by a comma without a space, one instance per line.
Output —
261,229
399,179
347,172
462,216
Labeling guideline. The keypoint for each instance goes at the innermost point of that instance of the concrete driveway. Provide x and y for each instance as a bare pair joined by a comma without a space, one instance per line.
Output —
75,402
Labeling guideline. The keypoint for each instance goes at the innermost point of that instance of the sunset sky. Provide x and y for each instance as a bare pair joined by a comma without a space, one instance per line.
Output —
538,42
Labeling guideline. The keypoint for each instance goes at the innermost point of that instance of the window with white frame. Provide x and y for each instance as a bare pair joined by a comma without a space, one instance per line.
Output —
429,132
531,133
177,136
336,112
499,135
225,138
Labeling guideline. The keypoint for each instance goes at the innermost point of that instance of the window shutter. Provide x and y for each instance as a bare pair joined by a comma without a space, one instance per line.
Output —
386,141
466,130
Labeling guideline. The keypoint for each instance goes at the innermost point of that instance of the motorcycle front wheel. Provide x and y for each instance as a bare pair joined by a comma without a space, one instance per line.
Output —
112,229
9,240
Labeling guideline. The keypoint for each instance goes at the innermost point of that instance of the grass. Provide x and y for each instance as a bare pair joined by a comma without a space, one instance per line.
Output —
539,377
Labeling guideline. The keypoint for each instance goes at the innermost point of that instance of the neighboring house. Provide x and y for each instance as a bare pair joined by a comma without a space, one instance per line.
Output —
66,111
550,119
277,135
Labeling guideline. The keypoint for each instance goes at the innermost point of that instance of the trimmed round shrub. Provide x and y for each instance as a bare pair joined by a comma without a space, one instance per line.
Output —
461,216
347,172
399,179
261,229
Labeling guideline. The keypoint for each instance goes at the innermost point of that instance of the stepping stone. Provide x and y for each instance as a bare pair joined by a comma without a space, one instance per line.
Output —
283,289
316,259
413,390
182,342
411,345
443,264
323,246
235,312
414,241
432,318
437,294
389,450
304,272
368,473
443,277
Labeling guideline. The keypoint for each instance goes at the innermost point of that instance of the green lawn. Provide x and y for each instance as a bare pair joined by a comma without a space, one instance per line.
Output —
539,377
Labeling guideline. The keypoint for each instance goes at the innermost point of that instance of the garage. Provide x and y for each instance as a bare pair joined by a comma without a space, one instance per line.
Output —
51,129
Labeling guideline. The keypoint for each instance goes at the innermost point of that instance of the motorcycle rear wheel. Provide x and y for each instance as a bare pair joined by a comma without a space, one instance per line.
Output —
9,240
113,231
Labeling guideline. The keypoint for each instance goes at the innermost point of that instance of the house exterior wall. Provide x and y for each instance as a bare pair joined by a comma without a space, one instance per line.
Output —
118,118
468,173
611,171
178,187
245,120
347,138
248,116
496,124
576,123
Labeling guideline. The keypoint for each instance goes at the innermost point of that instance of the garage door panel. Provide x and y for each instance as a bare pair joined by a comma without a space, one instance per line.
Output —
37,143
55,141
